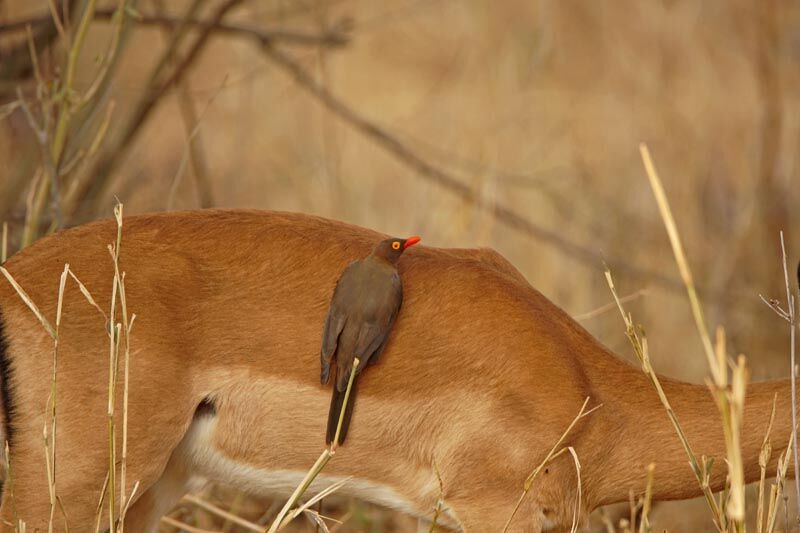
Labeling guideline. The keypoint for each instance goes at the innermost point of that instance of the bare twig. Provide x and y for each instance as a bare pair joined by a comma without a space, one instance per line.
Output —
89,191
192,123
16,64
335,37
426,170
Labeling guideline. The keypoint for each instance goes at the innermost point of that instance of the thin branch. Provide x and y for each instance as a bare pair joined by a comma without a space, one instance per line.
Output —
336,37
426,170
792,358
90,190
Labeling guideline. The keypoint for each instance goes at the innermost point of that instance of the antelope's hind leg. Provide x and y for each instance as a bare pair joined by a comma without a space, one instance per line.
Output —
179,478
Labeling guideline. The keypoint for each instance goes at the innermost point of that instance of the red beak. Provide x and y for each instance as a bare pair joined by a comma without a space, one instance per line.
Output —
411,241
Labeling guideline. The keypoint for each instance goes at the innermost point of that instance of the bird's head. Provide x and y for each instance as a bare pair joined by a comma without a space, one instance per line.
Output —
392,249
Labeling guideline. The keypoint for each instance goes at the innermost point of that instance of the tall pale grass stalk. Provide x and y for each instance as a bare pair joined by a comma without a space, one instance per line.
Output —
789,315
222,513
50,437
640,349
283,517
763,460
577,510
729,397
680,258
552,454
114,331
126,326
792,320
776,491
644,522
27,299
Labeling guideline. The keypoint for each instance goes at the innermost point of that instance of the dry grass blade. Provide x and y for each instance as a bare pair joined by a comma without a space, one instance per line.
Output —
283,516
644,522
27,299
639,343
680,258
763,460
88,296
437,510
222,513
99,513
777,489
552,454
185,527
577,510
610,306
729,398
127,506
793,362
50,437
306,507
317,520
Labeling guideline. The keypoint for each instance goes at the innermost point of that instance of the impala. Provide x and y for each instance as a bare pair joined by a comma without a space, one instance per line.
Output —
481,376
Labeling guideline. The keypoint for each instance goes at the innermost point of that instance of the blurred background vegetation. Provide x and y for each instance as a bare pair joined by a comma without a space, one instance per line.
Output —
509,124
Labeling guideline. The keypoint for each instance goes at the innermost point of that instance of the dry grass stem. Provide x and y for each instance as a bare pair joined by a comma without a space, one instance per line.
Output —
284,516
437,509
763,460
577,510
680,258
185,527
27,299
552,454
610,306
50,436
789,315
639,343
222,513
793,361
644,522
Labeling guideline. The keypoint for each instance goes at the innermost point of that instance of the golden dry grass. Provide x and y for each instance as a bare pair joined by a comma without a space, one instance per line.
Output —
539,106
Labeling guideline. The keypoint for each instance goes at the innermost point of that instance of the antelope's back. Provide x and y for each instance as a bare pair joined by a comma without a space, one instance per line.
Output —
220,288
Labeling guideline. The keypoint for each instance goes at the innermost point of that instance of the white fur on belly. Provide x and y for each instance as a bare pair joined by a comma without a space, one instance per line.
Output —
210,463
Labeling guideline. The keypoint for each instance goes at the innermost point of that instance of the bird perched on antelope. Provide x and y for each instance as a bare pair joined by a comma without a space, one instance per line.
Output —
363,309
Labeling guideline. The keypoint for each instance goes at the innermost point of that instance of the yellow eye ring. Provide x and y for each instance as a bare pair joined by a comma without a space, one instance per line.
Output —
396,245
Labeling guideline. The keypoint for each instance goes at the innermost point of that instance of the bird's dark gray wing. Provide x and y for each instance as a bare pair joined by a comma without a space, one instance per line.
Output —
334,324
397,287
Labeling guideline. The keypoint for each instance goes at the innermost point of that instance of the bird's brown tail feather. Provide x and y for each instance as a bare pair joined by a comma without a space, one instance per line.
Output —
337,400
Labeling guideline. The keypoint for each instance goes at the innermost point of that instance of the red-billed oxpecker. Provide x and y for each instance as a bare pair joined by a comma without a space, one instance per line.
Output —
363,309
